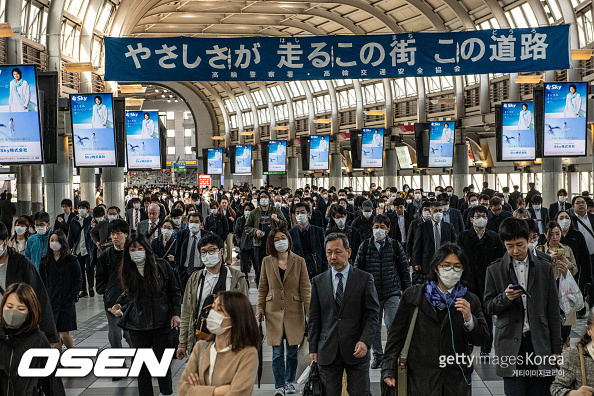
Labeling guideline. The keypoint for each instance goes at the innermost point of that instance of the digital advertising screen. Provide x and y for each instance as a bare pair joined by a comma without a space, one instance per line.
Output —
372,148
20,132
319,152
565,119
517,137
92,130
403,155
277,156
243,159
215,161
143,147
441,144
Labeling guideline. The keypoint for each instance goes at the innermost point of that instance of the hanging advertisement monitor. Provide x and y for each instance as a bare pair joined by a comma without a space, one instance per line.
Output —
20,132
372,148
517,137
441,144
243,159
92,130
215,161
319,151
565,119
143,147
277,156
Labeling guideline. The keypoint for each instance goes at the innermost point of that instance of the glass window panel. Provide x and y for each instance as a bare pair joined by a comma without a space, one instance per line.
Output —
188,149
379,92
229,106
243,102
510,19
188,132
494,23
259,98
171,133
170,150
276,93
170,115
248,118
519,18
554,9
399,88
264,115
529,15
281,112
104,15
233,120
295,88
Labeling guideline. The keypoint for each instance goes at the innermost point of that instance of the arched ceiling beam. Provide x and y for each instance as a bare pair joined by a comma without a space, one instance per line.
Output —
213,92
334,17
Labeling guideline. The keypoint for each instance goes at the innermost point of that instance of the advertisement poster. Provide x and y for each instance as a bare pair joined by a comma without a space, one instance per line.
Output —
92,130
243,159
565,119
372,148
319,151
441,144
403,155
277,156
142,140
215,161
517,136
20,133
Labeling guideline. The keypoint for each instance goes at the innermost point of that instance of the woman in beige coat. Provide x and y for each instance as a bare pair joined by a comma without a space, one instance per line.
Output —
284,293
563,260
227,363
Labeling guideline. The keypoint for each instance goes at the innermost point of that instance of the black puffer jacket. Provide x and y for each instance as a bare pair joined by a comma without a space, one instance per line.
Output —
388,267
108,279
13,343
365,226
152,312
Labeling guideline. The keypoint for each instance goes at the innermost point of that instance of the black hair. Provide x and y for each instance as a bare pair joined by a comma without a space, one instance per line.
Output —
436,204
118,225
478,209
100,100
195,214
513,228
399,201
84,204
16,69
336,236
249,205
574,87
41,216
381,219
532,225
147,114
67,202
444,251
211,239
302,205
444,198
129,274
176,212
3,232
98,211
576,197
536,199
495,201
426,204
114,207
64,249
525,104
338,210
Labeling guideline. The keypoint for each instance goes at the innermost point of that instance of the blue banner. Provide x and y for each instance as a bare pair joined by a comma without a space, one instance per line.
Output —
333,57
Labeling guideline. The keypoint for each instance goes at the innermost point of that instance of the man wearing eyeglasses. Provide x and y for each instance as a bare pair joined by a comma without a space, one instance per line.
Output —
584,223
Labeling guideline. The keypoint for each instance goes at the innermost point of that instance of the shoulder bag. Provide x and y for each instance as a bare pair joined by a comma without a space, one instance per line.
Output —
402,359
200,314
583,367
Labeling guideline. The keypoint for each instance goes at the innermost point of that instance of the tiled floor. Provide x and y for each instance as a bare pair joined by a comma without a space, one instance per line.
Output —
93,333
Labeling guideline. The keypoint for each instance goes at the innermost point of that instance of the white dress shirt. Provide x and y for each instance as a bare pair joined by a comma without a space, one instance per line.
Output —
585,232
345,275
521,269
402,226
81,248
210,280
197,253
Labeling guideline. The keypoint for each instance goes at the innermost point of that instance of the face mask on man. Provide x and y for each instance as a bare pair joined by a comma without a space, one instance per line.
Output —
177,221
264,201
246,213
41,230
536,207
450,193
417,197
532,245
210,259
446,208
437,217
301,219
474,204
112,217
367,214
426,214
82,212
278,204
562,198
194,227
449,278
136,206
340,222
481,222
379,234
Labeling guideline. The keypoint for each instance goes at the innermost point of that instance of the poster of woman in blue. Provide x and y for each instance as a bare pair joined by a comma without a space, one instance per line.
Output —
318,152
372,148
441,144
277,156
92,126
143,145
20,140
517,136
243,159
215,161
565,119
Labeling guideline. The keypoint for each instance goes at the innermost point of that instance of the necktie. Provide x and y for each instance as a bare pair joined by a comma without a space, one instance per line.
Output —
151,232
136,218
192,255
339,290
437,237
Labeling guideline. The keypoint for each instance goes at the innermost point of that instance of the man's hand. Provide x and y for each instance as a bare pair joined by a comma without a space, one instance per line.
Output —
274,217
175,321
259,233
390,381
98,244
360,350
464,306
171,257
222,390
313,357
181,353
583,391
512,294
116,310
417,267
61,220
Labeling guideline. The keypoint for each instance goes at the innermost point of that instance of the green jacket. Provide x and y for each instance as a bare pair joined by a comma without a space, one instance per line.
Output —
252,223
186,328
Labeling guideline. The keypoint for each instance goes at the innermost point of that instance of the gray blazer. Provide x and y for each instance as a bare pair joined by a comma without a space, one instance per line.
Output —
143,228
456,220
543,311
330,329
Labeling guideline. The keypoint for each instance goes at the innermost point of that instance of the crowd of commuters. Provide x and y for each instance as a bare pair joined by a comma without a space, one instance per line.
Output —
444,273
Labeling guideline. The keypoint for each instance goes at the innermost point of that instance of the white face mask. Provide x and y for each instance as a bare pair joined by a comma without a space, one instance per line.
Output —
367,214
340,222
166,232
532,245
32,230
450,193
278,204
194,227
481,222
255,202
301,219
264,202
82,212
474,204
191,211
177,221
98,219
247,213
55,246
210,259
379,234
417,197
41,230
214,211
426,214
449,278
282,245
20,230
381,205
138,257
446,208
562,198
564,224
536,207
213,323
137,206
325,196
112,217
409,201
437,217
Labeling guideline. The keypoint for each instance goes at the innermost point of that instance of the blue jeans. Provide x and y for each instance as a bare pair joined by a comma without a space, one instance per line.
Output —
284,374
388,308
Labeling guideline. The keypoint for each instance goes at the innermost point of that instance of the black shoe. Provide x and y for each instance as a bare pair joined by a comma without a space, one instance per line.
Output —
91,293
83,294
377,362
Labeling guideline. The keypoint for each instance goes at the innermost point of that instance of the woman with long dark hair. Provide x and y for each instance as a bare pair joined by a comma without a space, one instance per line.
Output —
21,232
152,305
62,277
450,316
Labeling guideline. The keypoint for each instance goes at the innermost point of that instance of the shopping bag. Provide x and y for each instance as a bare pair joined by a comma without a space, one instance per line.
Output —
570,297
303,354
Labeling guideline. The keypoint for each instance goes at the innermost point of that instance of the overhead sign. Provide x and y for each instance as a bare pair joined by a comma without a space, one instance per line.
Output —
517,139
203,181
441,144
143,144
243,159
372,148
319,152
334,57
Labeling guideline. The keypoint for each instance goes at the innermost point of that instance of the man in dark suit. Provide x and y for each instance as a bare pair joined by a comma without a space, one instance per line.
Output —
541,215
316,217
152,226
584,223
81,245
426,244
414,227
451,215
454,200
340,215
497,214
343,319
308,240
401,221
414,208
63,219
513,197
560,206
531,193
525,324
187,257
486,190
136,214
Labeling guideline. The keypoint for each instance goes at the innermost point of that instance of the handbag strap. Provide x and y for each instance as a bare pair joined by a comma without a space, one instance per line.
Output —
581,351
585,226
404,353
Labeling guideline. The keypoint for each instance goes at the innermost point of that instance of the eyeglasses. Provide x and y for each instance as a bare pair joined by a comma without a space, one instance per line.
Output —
449,268
209,251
